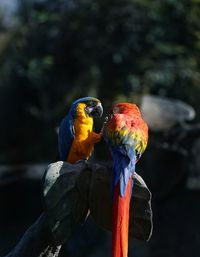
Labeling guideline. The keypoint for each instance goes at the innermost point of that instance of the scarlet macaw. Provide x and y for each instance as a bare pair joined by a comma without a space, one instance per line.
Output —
126,134
76,137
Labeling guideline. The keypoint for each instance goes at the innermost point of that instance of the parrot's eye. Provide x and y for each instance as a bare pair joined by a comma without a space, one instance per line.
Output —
116,110
91,104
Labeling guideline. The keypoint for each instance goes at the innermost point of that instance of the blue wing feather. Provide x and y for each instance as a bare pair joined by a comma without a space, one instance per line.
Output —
65,137
123,166
124,158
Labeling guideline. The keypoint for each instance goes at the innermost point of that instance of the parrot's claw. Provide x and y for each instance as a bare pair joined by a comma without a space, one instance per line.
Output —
83,160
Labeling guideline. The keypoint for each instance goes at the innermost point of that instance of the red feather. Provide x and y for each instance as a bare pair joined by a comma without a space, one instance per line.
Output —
120,229
126,134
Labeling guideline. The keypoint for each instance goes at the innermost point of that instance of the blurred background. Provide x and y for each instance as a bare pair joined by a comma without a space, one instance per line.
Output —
142,51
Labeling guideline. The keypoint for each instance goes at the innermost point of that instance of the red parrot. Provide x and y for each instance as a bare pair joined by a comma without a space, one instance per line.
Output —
126,134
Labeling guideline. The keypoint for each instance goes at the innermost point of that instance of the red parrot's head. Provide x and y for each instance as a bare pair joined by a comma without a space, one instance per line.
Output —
125,108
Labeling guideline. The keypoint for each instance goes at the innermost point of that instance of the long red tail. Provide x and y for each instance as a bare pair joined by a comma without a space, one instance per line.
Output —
121,205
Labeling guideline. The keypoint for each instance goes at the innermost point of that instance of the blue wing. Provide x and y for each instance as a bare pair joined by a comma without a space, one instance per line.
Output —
123,166
65,137
124,159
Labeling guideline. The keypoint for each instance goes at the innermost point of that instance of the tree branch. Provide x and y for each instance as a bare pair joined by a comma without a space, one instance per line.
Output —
36,242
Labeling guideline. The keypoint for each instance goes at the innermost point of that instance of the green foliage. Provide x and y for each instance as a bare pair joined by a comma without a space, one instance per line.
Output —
62,49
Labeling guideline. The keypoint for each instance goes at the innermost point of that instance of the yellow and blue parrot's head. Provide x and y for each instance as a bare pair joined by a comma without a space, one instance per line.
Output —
87,107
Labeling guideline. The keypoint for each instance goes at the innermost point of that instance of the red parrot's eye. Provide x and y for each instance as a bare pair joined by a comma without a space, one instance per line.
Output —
116,110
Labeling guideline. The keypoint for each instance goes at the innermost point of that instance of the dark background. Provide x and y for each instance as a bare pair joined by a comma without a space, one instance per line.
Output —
54,51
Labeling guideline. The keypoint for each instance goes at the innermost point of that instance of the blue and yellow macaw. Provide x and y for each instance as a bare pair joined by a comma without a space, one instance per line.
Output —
76,137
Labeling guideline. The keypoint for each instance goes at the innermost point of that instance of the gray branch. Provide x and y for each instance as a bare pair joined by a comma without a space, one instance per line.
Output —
70,193
36,242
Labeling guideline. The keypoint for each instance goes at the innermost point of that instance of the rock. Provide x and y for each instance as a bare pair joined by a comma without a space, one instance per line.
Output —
161,114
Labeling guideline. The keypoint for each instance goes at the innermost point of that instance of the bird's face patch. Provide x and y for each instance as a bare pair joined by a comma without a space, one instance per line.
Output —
94,108
116,110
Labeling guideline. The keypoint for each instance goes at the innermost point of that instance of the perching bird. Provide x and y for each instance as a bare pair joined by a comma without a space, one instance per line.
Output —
126,134
76,137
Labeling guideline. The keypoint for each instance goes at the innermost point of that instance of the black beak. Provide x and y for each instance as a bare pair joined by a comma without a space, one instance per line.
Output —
97,111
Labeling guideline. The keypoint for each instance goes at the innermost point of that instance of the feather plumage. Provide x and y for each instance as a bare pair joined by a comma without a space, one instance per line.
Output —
66,136
126,134
76,136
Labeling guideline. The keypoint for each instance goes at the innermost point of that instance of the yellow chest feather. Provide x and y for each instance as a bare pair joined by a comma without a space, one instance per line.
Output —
85,138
